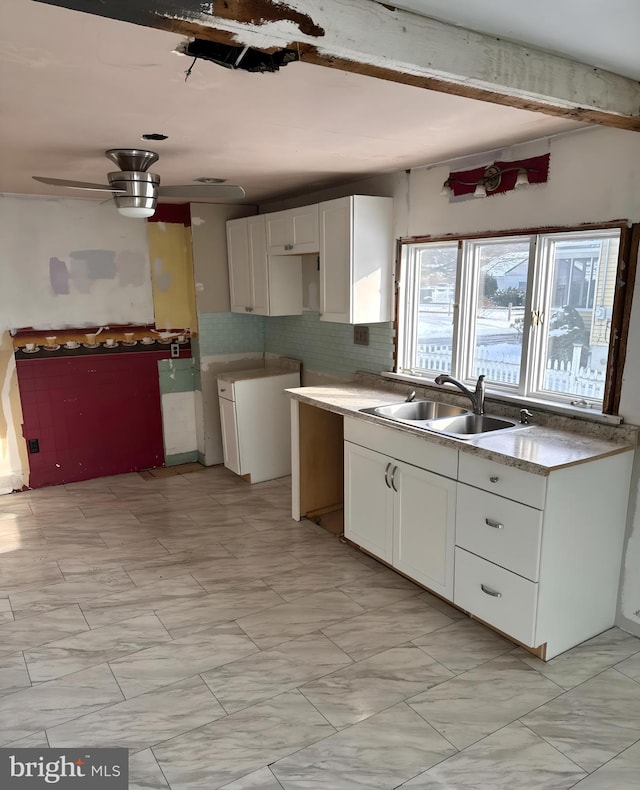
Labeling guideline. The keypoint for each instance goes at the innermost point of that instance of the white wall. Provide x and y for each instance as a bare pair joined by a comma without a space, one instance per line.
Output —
69,262
594,177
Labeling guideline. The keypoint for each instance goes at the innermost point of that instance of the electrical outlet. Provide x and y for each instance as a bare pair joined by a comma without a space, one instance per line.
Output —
34,445
361,335
175,349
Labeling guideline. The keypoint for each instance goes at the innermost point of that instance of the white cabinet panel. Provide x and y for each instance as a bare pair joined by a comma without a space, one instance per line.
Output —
256,429
424,521
504,480
239,265
229,426
501,598
401,514
368,504
356,259
294,231
412,449
500,530
260,283
259,265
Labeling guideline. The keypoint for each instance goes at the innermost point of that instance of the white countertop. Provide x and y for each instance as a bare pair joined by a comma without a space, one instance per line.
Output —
536,448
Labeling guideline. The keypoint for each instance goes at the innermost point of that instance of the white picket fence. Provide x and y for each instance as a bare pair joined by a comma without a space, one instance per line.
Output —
560,376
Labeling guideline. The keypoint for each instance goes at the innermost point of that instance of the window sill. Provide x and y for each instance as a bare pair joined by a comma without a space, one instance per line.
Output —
499,396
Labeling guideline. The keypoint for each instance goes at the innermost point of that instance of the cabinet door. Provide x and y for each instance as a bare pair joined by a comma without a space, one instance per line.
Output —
356,259
293,232
258,264
305,229
368,500
279,230
229,427
424,521
335,260
239,266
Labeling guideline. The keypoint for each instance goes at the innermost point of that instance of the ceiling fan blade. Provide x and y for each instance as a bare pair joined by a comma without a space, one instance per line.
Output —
211,191
60,182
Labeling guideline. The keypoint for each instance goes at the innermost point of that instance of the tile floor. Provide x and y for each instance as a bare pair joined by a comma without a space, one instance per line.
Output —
187,618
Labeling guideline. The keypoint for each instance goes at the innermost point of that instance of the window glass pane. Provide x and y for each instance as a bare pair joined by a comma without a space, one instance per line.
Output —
578,321
436,286
496,347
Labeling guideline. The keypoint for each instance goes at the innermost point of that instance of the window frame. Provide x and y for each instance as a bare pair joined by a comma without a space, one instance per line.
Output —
625,279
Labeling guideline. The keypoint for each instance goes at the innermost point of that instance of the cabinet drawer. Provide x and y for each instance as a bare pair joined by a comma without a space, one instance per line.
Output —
500,530
404,446
499,597
504,480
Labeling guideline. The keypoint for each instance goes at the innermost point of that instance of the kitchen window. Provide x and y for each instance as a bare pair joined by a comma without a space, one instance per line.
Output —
533,313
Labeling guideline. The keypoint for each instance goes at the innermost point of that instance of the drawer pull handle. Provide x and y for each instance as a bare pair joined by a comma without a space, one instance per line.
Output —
288,246
489,591
386,475
494,478
495,524
223,389
393,479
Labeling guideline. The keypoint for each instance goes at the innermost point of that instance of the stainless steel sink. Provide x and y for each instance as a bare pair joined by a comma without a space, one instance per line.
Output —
468,426
416,411
431,415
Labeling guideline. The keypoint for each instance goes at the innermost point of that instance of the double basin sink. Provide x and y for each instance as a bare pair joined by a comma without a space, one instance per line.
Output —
443,418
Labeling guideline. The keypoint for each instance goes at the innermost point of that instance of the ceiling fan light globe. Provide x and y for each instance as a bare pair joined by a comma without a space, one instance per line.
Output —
136,212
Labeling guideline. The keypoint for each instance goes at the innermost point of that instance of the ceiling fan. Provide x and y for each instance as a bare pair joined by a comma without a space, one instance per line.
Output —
136,191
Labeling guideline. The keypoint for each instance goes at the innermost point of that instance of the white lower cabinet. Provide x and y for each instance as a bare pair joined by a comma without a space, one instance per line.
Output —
254,420
402,514
537,556
368,503
497,596
229,426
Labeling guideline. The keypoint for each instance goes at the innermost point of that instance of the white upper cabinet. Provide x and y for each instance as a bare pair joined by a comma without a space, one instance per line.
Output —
356,259
293,232
239,265
260,283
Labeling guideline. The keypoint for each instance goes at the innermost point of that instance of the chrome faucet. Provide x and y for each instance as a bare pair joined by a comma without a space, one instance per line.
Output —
411,397
477,397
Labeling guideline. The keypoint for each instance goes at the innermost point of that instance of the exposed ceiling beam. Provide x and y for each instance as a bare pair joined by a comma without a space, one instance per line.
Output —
381,41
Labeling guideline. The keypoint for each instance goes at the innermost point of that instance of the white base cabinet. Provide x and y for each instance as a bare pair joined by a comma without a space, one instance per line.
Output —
536,556
539,557
401,513
368,501
424,527
254,415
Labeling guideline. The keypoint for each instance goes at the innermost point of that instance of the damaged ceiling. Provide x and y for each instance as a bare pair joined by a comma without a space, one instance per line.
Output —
74,84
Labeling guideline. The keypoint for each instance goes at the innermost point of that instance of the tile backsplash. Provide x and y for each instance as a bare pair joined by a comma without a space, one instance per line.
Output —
323,347
326,347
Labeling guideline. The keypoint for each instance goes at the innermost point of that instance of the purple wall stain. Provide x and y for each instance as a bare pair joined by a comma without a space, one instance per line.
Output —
58,276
